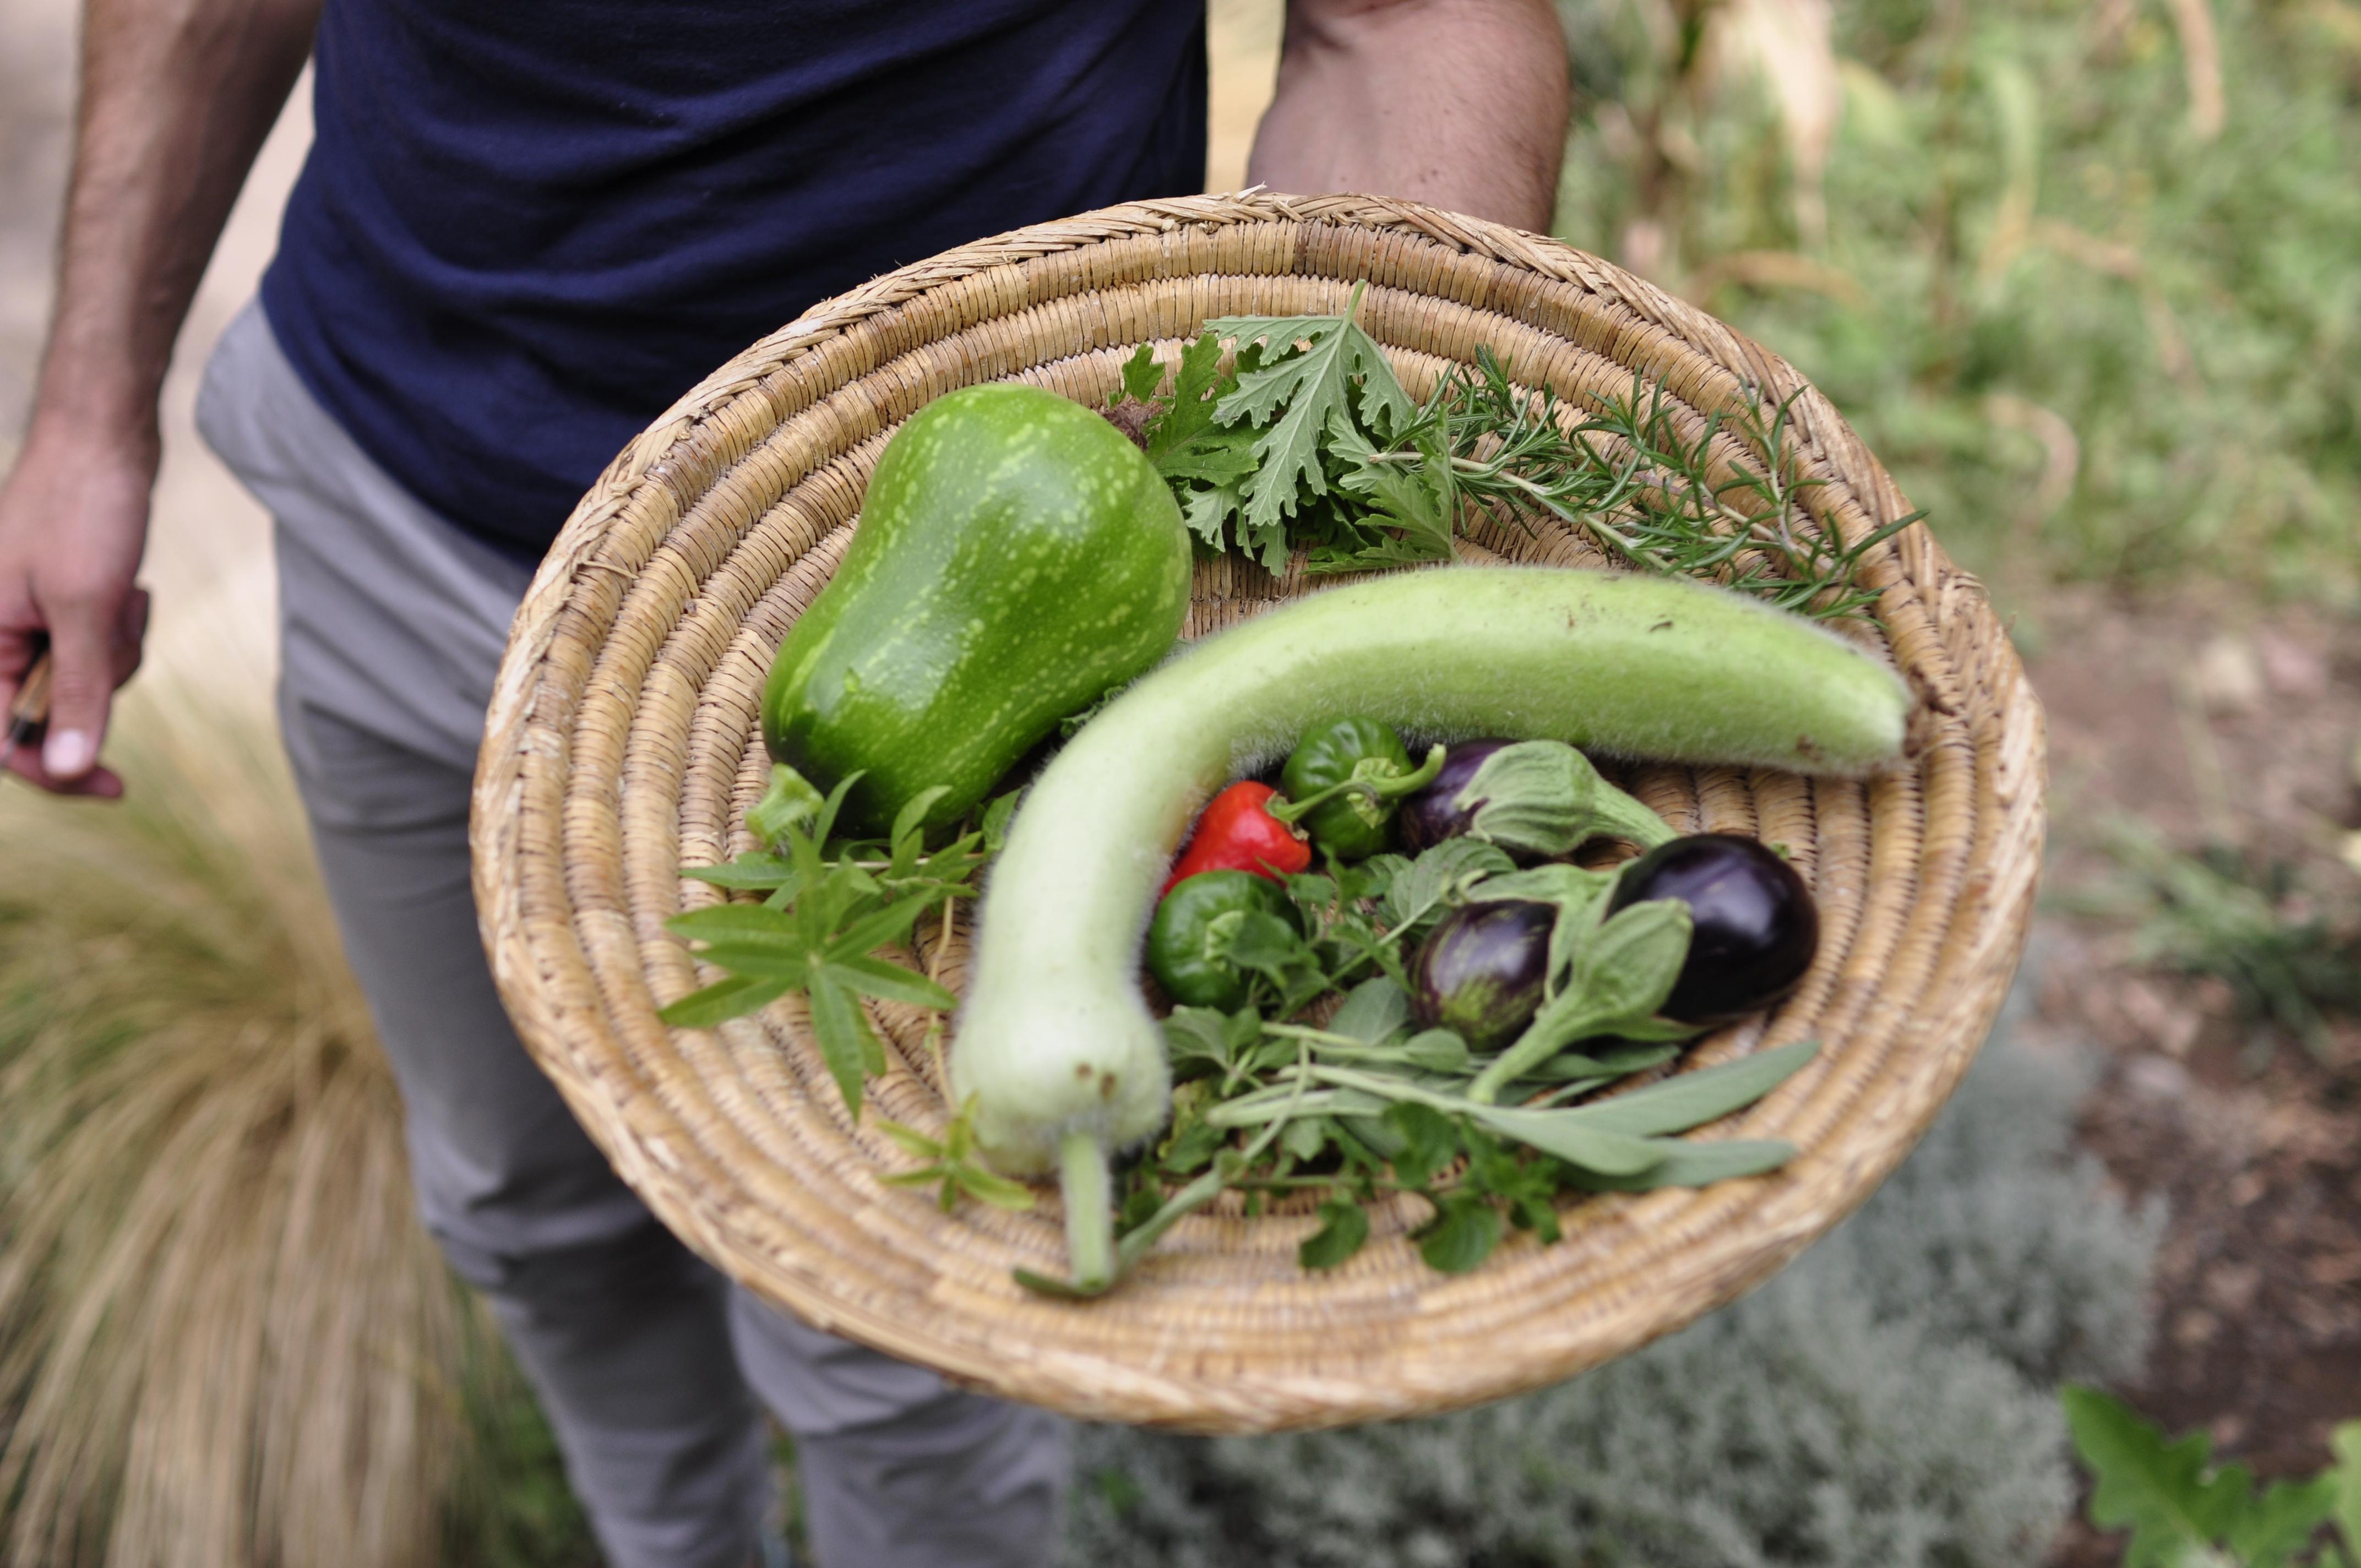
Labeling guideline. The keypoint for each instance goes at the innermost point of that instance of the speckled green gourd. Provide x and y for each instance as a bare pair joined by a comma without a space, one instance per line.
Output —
1016,557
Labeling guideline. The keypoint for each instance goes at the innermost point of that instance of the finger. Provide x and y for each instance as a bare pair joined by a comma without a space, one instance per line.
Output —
130,634
99,784
83,668
18,649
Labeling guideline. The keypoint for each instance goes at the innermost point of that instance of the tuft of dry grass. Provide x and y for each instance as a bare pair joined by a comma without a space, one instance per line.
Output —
224,1337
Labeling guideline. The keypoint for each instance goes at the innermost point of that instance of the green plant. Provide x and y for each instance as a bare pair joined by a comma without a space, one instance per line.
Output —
1310,439
2080,276
1886,1403
2183,1511
2217,913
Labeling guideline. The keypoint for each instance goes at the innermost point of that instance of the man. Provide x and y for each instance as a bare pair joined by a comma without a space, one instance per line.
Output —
523,230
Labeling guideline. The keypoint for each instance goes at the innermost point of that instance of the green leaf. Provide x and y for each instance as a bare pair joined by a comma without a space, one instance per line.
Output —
1142,375
1628,967
1693,1099
845,1043
910,1141
912,814
1193,1034
722,1001
825,823
1462,1237
1197,382
1372,1011
753,871
790,803
996,819
2165,1493
1417,497
889,982
1575,1067
1311,383
2346,1445
1588,1146
1437,1050
996,1190
1344,1228
735,922
1305,1136
1429,1142
2276,1526
1699,1164
880,926
1218,457
1209,512
1421,889
770,962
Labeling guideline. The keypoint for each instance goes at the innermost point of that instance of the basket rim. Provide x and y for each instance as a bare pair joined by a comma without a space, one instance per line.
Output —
1926,606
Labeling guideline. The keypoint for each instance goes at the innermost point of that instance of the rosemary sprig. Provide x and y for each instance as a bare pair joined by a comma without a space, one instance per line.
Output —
1624,473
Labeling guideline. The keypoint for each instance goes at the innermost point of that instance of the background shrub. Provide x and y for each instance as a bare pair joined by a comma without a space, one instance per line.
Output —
1887,1402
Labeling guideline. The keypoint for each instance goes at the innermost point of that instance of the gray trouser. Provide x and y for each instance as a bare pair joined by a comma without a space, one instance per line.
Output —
392,622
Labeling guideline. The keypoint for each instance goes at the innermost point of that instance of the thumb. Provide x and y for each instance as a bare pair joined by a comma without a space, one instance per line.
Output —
83,668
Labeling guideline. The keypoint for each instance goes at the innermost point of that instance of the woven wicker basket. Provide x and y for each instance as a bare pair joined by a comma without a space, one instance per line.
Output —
623,742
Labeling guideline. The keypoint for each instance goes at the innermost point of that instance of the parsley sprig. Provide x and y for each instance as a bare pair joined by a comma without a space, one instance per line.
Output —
1309,439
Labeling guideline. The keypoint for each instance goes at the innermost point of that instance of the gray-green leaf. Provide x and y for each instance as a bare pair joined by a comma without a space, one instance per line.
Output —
1628,967
1693,1099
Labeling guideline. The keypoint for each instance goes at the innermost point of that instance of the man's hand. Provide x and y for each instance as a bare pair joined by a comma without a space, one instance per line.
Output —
176,98
1459,104
73,516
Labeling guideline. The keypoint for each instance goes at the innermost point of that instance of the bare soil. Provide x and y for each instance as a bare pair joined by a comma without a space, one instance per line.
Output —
2223,723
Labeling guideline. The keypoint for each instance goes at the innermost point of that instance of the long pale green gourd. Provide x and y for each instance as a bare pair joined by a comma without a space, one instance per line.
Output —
1055,1043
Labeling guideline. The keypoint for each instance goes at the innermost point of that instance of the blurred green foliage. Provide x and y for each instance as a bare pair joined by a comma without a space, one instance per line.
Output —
2095,334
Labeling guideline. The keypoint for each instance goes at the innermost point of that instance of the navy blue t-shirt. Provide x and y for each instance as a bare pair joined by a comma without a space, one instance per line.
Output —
526,226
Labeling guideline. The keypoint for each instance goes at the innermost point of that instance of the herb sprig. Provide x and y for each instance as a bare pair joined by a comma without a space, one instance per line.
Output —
831,906
1309,439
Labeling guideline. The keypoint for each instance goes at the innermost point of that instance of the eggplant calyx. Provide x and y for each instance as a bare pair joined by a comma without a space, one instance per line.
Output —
1543,798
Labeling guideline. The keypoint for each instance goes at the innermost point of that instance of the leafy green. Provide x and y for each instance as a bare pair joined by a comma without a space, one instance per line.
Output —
1463,1233
1344,1228
2182,1509
1298,389
831,907
952,1165
1309,440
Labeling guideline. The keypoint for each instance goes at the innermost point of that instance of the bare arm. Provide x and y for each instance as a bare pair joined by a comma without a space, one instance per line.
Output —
177,96
1460,103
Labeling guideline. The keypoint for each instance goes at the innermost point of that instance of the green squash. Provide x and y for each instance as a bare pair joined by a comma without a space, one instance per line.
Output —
1017,558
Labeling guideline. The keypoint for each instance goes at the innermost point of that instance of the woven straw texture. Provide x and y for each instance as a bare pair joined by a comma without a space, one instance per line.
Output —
623,742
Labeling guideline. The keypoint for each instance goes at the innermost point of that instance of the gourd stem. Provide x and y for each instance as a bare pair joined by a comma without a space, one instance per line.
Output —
1089,1209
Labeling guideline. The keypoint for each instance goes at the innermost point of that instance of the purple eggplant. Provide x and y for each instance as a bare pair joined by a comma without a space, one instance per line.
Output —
1756,928
1428,817
1481,971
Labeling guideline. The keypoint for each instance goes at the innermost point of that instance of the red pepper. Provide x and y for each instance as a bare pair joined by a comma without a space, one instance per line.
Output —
1236,834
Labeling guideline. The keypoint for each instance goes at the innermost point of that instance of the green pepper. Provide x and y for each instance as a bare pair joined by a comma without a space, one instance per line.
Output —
1344,781
1188,941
